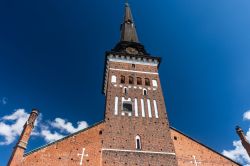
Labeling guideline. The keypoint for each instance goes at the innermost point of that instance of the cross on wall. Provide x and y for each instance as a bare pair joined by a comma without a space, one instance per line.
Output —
82,155
195,162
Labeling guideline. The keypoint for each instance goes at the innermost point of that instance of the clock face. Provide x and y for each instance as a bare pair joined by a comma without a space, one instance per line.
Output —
131,50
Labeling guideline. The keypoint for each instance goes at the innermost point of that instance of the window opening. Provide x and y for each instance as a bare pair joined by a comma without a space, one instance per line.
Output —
139,82
147,82
145,92
125,90
131,80
138,142
127,106
122,79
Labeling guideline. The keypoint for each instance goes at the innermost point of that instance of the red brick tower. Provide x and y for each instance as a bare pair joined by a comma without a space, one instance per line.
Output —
243,139
136,128
18,152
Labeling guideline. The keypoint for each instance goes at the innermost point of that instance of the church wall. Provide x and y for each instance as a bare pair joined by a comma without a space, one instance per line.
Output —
187,149
137,159
65,152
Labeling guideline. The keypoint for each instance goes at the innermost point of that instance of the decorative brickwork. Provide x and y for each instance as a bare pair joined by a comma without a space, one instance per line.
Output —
121,128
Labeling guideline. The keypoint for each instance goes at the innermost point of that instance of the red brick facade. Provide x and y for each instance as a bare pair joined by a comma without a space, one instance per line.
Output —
65,151
120,130
189,151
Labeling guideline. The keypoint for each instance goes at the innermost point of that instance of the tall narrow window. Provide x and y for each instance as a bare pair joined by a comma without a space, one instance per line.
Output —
125,90
147,82
138,142
131,80
139,82
145,93
122,79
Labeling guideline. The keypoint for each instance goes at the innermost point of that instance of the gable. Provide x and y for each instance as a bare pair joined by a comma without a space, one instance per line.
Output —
68,150
188,151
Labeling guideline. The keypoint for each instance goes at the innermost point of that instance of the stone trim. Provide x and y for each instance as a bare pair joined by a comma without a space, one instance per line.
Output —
134,71
135,61
138,151
22,144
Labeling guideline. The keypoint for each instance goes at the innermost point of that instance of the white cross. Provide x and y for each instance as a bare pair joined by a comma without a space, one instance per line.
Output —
195,162
82,155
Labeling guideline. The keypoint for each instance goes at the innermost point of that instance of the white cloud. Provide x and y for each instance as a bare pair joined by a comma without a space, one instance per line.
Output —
246,115
239,154
11,126
63,125
49,136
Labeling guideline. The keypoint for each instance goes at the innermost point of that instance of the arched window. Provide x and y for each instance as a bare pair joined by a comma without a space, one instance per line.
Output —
122,79
147,82
145,92
138,142
139,82
125,90
131,80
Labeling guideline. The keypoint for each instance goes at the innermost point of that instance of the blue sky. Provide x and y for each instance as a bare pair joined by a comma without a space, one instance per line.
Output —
52,58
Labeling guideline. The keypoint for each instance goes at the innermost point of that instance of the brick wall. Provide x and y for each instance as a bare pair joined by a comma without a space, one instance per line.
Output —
187,148
65,152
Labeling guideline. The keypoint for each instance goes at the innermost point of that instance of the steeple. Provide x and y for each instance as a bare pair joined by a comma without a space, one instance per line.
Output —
243,139
129,42
128,30
18,152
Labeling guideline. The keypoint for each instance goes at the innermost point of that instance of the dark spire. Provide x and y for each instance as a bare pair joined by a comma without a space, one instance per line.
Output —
128,30
129,42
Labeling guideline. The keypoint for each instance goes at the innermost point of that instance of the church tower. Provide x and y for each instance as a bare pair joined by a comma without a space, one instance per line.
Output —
18,152
136,128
